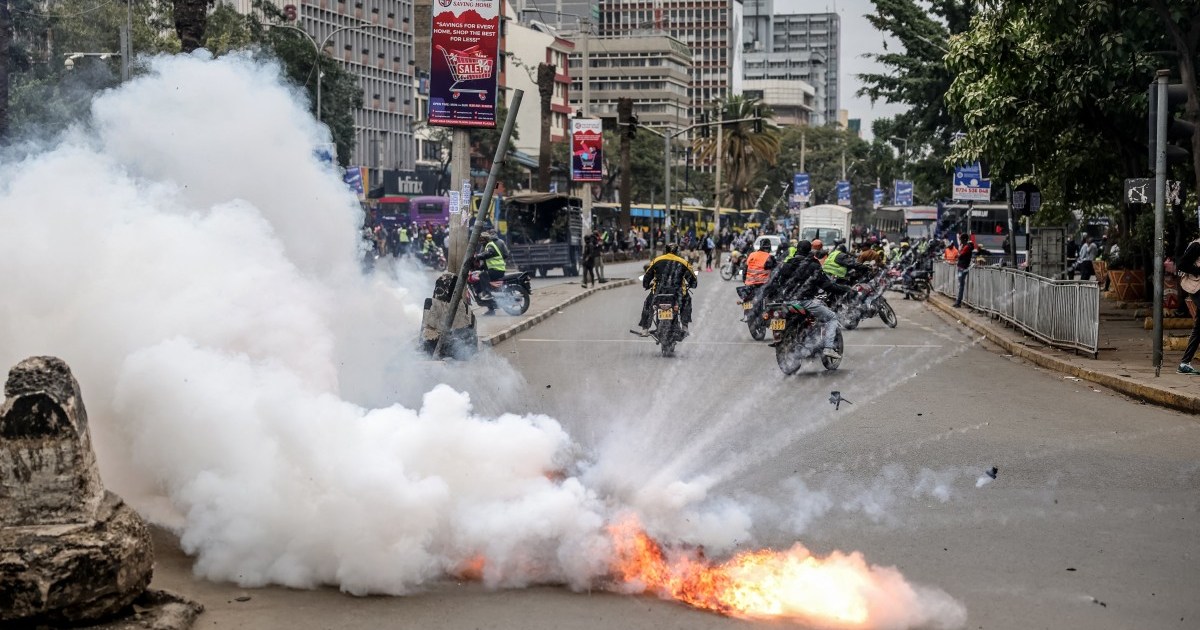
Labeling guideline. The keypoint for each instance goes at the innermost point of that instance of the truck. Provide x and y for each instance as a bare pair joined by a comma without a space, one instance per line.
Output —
826,222
543,231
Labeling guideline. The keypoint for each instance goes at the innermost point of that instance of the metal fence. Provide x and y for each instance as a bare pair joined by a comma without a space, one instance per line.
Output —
1062,313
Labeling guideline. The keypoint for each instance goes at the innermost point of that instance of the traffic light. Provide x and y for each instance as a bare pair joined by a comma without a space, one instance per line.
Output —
1179,132
705,130
625,118
758,121
633,125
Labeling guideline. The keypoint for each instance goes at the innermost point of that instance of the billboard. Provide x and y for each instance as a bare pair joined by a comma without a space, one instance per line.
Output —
800,191
877,198
902,194
969,184
463,51
843,193
587,146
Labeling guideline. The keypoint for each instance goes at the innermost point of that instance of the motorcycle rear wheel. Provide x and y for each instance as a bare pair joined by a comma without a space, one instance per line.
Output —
920,292
758,328
666,338
727,272
886,313
514,301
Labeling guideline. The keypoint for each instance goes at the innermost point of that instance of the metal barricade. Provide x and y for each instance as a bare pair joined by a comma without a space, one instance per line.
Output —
1061,313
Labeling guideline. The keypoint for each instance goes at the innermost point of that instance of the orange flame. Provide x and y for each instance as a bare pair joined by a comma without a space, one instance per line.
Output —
757,584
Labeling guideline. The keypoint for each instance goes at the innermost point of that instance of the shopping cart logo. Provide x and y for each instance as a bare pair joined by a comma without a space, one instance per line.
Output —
469,64
587,159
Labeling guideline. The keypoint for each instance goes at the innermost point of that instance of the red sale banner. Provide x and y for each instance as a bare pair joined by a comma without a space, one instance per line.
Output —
587,145
464,48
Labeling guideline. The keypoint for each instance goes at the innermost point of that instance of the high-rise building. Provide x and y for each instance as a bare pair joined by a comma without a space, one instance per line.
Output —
711,29
381,56
654,69
795,44
806,69
792,101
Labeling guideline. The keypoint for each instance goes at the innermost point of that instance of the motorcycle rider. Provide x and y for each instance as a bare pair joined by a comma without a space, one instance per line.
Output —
799,279
492,259
667,274
758,271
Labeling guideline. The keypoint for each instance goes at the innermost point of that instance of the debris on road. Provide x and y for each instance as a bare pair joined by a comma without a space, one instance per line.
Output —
835,398
992,472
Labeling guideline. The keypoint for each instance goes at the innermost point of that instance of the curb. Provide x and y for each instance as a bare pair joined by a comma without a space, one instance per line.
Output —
530,322
1129,387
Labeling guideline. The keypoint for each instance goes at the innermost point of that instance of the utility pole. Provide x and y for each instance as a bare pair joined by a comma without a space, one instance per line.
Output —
802,151
720,160
624,113
1160,197
545,82
586,24
5,44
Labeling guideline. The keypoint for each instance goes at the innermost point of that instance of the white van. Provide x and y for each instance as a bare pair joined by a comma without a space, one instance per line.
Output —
770,238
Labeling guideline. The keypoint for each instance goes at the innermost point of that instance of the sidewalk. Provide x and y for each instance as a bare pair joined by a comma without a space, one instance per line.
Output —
549,297
1124,364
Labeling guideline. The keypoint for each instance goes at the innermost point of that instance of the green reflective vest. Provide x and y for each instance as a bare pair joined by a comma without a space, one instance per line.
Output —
791,253
832,265
495,262
403,235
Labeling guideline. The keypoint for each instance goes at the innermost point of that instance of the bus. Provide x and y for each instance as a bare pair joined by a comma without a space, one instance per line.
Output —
987,223
392,210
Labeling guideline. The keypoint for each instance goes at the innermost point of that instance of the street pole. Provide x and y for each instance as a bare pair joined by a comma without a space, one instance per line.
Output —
460,286
460,173
587,112
1160,198
127,41
667,185
1012,236
802,150
720,159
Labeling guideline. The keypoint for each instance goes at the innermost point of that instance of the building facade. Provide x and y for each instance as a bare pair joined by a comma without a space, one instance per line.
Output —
805,46
381,56
527,47
655,69
793,101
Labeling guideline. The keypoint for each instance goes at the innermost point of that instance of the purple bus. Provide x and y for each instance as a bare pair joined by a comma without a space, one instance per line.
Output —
394,209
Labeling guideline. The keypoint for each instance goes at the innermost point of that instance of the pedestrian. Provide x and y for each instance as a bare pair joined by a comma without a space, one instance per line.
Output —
1087,254
709,246
966,251
590,244
1189,271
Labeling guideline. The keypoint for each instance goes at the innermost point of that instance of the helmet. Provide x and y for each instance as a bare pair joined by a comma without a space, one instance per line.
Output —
903,244
803,248
671,248
764,245
429,237
817,244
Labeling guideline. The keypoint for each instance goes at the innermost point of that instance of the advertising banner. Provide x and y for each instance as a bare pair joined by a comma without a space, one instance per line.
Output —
902,194
586,150
877,198
463,51
843,193
356,179
800,191
969,184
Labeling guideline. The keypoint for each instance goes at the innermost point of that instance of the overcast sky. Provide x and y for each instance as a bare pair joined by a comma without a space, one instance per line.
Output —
858,38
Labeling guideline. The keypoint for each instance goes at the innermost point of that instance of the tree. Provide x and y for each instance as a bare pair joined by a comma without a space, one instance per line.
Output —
744,151
191,20
824,147
484,143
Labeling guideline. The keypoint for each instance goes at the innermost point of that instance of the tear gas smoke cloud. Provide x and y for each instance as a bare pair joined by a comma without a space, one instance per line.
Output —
199,269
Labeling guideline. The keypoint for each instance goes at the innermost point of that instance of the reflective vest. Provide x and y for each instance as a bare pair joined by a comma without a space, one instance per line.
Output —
791,253
951,254
403,235
496,262
832,267
756,270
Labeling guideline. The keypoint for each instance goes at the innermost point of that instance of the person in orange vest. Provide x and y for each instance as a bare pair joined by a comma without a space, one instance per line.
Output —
758,270
951,253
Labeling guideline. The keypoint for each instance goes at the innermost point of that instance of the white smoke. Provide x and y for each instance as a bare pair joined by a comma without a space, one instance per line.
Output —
198,268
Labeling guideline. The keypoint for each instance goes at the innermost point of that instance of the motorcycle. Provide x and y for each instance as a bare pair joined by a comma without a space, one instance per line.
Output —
735,266
798,336
866,302
668,329
510,294
747,294
912,282
434,259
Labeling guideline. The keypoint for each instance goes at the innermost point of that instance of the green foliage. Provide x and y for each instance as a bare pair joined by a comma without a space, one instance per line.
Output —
744,152
823,149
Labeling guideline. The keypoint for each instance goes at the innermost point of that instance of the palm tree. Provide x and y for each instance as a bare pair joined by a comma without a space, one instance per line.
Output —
745,150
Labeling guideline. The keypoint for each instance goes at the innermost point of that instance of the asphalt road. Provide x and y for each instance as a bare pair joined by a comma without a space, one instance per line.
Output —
1092,522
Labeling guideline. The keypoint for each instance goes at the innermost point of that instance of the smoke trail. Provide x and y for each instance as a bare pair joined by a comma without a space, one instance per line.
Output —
188,256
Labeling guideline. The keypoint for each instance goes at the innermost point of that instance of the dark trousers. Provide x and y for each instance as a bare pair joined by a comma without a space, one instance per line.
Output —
486,277
589,273
1086,269
1193,345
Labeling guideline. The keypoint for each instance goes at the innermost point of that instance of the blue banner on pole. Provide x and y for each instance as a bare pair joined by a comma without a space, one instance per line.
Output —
969,184
800,191
843,193
903,193
878,197
353,179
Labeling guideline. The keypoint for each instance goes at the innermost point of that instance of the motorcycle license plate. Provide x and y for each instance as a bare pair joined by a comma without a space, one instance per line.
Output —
746,306
778,324
666,313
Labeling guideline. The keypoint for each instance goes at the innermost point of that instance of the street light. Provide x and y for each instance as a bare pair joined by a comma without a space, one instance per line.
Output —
69,62
319,49
903,164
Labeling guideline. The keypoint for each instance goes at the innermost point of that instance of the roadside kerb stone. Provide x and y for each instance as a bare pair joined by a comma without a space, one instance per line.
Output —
1130,387
530,322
